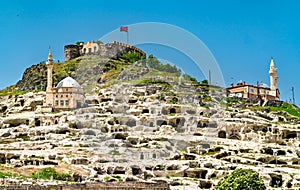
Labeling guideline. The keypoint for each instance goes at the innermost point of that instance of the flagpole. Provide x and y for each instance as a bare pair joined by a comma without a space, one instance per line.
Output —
125,29
127,37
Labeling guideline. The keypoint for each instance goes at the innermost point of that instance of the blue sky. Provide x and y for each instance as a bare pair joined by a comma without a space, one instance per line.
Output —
242,35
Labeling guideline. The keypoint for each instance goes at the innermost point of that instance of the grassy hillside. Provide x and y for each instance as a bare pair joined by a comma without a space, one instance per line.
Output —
91,72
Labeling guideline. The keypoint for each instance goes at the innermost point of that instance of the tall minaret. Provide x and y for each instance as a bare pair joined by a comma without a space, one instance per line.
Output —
49,65
273,76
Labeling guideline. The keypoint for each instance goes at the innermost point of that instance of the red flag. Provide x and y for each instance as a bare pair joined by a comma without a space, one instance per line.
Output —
124,29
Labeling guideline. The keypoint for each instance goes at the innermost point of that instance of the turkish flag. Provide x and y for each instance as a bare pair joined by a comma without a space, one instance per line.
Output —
124,29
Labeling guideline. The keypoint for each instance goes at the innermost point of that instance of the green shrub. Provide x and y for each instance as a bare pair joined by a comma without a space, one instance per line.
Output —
154,63
131,56
107,178
245,179
24,137
4,175
50,173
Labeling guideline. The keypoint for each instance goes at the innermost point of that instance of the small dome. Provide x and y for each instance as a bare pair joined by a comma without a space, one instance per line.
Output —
68,82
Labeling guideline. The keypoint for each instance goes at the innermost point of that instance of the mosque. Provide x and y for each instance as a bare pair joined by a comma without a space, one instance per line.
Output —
259,91
68,94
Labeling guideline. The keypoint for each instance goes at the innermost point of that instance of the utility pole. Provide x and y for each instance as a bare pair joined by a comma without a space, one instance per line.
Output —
293,95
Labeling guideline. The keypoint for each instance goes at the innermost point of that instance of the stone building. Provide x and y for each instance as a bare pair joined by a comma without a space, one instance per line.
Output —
112,50
68,94
90,48
243,90
72,51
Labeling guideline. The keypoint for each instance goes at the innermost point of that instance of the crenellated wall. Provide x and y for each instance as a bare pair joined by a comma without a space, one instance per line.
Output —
110,50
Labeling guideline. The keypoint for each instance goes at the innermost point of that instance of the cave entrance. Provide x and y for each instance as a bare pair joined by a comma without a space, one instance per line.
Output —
37,122
222,134
291,135
172,111
145,111
276,181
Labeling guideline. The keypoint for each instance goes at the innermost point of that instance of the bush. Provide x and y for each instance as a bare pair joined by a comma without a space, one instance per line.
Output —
189,78
131,56
4,175
48,173
245,179
154,63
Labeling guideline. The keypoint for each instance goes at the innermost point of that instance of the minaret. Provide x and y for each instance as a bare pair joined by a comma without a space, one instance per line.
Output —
49,65
273,76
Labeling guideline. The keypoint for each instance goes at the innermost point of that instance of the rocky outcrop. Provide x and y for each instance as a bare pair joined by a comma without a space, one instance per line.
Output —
138,133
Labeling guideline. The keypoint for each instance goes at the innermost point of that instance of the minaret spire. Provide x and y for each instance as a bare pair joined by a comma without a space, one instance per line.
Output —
50,59
273,79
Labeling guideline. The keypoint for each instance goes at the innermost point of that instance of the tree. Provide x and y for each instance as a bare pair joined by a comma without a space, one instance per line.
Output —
79,43
204,81
154,63
99,41
131,56
188,77
245,179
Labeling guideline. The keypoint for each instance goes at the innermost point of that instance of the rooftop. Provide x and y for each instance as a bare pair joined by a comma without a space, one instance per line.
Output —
68,82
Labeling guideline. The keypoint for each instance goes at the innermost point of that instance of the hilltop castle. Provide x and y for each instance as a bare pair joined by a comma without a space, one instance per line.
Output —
243,90
112,50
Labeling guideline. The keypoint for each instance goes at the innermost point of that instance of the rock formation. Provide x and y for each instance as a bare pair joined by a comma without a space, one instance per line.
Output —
145,128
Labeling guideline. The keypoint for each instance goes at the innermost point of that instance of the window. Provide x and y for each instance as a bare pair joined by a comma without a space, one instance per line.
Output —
67,102
251,90
245,89
67,95
62,96
56,96
154,155
61,102
56,102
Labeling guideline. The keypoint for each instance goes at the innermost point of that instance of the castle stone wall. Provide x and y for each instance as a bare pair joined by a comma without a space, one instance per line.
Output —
71,51
112,50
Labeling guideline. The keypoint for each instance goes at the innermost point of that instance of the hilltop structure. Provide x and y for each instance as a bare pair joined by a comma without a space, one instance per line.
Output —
243,90
68,94
112,50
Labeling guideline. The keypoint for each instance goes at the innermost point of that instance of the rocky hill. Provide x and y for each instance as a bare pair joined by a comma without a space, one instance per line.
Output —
143,124
81,69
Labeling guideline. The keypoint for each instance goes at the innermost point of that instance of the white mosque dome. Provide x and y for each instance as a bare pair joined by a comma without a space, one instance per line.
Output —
68,82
